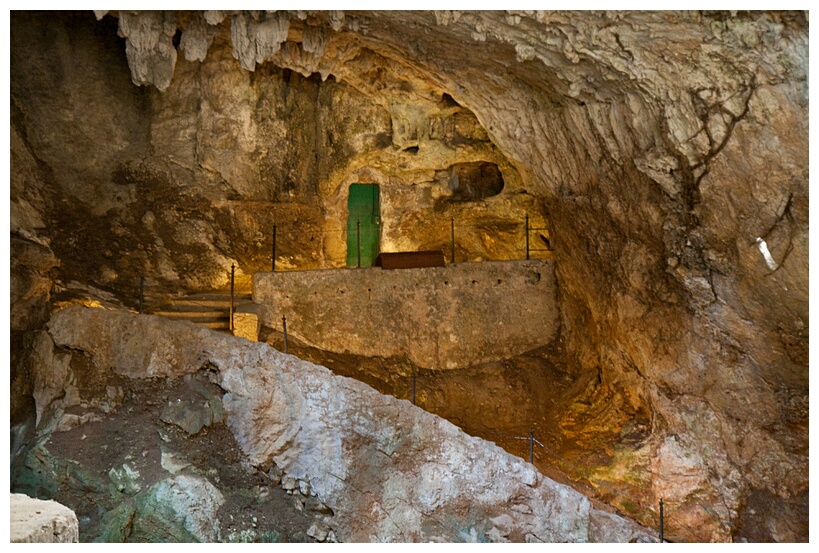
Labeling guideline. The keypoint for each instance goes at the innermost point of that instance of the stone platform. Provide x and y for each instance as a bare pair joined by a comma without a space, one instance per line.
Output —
439,317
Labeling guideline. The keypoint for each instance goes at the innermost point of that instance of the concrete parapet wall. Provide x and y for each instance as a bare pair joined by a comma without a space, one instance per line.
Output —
439,317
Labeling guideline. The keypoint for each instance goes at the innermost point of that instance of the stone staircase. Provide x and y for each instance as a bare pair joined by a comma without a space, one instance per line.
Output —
208,309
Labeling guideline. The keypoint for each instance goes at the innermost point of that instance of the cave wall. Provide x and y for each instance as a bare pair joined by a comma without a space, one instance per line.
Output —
663,145
178,185
658,146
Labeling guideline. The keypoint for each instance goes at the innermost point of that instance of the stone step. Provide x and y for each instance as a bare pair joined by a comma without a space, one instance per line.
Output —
215,296
210,309
204,302
196,305
195,316
217,325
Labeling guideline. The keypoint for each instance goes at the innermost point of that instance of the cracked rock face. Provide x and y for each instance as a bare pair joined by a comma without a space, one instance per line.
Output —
658,148
384,469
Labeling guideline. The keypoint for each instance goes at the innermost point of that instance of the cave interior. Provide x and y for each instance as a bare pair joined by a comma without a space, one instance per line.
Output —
620,200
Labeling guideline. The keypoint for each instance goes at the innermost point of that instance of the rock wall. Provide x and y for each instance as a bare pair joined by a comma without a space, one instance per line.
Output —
387,470
635,135
438,317
122,182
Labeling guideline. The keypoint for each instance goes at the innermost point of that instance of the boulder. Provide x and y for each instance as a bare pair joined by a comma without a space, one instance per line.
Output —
39,521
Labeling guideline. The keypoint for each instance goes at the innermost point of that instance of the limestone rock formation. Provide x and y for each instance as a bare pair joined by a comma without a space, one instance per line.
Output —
384,469
38,521
234,146
182,504
149,46
660,149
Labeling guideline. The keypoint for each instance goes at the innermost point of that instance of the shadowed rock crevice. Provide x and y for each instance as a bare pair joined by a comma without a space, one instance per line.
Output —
475,181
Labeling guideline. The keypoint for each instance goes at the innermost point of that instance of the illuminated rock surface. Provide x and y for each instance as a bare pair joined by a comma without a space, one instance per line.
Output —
659,148
385,469
438,317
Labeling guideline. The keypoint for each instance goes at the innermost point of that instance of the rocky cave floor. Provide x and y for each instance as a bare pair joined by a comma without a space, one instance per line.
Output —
109,460
83,468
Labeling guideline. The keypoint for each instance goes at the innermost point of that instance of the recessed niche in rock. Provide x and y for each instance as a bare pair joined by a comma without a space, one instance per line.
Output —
475,181
448,101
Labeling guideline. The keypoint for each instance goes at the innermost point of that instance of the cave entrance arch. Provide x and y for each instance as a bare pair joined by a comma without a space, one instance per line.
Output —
364,207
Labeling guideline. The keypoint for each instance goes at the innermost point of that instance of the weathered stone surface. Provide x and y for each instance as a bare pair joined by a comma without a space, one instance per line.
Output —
30,284
197,38
51,378
189,415
142,350
69,421
173,462
149,46
38,521
125,479
115,525
439,317
388,470
180,507
255,40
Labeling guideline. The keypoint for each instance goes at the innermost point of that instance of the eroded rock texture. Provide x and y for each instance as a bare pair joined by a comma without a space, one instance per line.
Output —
383,469
667,152
37,521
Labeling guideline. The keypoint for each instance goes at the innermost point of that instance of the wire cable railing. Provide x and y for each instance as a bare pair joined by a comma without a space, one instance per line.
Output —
243,284
449,236
660,516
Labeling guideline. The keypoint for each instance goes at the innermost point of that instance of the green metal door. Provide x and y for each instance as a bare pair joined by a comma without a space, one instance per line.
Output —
364,209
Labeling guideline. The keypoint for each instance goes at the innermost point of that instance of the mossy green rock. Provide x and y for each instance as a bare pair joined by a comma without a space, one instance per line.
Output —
115,526
125,479
179,509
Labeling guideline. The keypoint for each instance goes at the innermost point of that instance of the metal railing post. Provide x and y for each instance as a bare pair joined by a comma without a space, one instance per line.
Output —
532,442
141,292
661,520
452,239
527,236
532,445
358,241
273,263
284,328
232,280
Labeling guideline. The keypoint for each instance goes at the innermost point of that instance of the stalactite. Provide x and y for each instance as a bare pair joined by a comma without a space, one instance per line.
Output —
314,40
257,41
149,46
197,38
